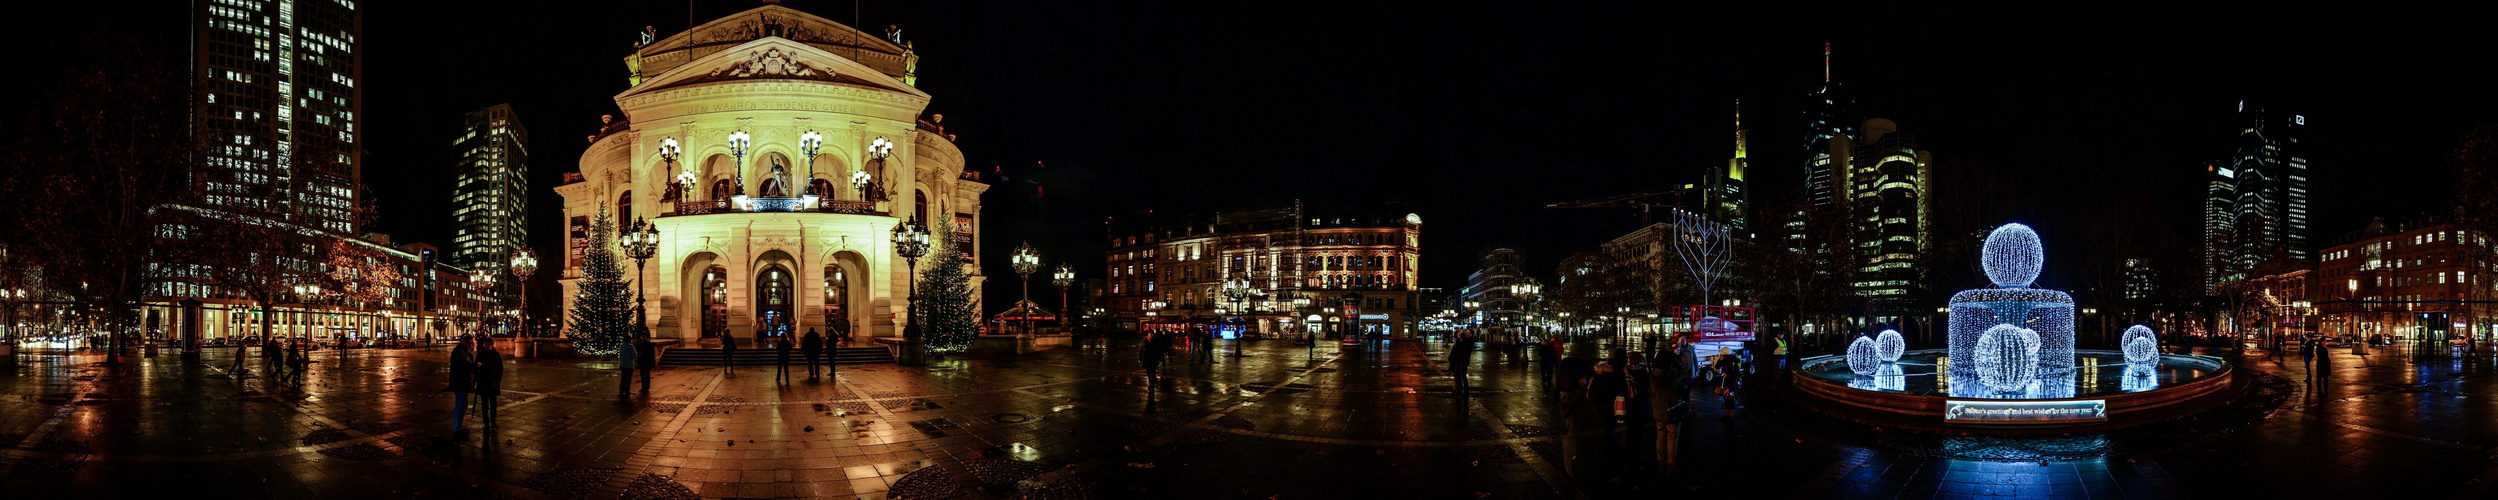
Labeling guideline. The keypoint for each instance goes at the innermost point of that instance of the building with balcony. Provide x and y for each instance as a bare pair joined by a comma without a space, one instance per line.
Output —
774,151
1356,270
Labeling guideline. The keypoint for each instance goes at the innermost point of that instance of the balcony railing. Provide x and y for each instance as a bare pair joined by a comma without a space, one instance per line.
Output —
702,207
752,205
847,207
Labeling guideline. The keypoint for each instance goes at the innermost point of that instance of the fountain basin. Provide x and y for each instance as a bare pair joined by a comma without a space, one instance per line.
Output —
1911,391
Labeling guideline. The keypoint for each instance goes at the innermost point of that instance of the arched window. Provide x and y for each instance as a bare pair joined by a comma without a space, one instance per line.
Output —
820,188
836,299
624,212
919,202
720,189
715,301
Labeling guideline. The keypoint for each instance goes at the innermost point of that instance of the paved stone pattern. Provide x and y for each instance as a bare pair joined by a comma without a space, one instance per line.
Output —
1283,421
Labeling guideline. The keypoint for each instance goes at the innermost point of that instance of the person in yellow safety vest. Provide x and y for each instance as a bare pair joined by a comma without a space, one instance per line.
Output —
1779,352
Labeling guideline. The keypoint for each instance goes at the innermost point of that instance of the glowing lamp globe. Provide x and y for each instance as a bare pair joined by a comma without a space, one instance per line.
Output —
2013,256
2007,358
1861,358
1889,345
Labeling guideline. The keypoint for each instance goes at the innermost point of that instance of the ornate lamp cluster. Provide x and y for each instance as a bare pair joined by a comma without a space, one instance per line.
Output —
524,263
641,244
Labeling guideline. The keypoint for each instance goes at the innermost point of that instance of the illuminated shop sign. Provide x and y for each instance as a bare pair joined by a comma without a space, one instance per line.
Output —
2025,412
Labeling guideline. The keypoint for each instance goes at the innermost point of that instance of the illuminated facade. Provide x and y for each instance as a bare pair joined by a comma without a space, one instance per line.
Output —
407,308
774,151
2421,283
2220,193
490,197
280,104
1367,259
1830,115
1491,289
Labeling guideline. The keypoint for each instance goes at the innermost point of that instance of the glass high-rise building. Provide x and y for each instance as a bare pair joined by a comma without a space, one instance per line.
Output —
1886,189
1830,115
280,104
2267,197
490,197
2220,195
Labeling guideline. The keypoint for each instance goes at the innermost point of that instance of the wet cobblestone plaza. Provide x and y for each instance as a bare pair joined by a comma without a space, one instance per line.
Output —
1283,421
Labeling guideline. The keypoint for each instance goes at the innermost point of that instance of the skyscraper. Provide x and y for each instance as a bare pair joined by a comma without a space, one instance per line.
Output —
2267,209
1830,114
2220,194
279,83
490,197
1889,204
1727,200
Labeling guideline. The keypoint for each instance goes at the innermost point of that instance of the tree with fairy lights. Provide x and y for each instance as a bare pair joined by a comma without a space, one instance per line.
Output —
945,295
602,315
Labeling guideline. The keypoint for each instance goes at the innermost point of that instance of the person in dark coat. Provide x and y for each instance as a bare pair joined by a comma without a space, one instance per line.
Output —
625,357
463,379
1152,353
489,380
728,351
782,350
1638,412
1579,412
814,347
1461,355
1669,401
1610,392
650,358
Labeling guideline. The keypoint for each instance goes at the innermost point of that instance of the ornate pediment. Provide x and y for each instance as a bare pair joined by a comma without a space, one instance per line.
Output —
773,59
767,63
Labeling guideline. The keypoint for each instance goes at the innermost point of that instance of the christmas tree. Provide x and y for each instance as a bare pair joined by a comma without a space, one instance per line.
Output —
945,300
602,315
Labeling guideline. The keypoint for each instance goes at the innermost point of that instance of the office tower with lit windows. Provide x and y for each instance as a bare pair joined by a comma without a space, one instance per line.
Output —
2268,205
1728,200
1886,188
490,197
2220,195
280,100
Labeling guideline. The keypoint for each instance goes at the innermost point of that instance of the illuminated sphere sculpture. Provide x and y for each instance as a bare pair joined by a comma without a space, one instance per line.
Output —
2140,351
2013,256
2138,332
1889,345
1861,358
2012,260
2007,358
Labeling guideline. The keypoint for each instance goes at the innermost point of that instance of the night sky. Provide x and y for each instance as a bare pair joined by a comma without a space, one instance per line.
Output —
1475,116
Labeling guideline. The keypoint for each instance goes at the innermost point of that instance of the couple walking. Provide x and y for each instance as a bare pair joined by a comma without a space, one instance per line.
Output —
476,368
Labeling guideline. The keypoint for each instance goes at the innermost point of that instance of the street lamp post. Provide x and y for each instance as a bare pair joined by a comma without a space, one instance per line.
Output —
641,243
877,150
1026,262
479,279
1236,289
808,144
738,141
910,241
524,263
1064,277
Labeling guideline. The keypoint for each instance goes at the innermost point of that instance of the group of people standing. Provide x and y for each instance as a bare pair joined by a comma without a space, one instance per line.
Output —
476,369
811,349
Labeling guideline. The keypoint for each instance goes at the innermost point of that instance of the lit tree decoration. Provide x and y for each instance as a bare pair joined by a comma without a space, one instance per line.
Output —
1860,357
2138,332
2140,350
602,311
1705,247
1889,345
2013,256
2007,358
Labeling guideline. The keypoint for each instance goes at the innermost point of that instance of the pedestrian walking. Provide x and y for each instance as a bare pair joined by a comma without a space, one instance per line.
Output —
489,380
626,355
463,379
1728,373
649,357
1149,353
1669,401
728,352
813,346
1610,390
297,364
1578,413
1460,357
782,351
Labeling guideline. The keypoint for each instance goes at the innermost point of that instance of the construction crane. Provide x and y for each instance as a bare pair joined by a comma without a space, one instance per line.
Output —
1645,201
